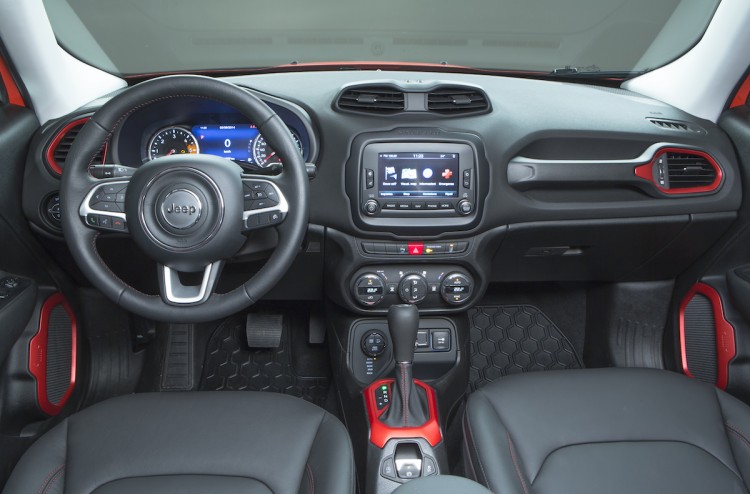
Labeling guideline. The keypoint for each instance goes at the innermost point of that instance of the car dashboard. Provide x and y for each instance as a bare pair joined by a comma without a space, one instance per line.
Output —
431,187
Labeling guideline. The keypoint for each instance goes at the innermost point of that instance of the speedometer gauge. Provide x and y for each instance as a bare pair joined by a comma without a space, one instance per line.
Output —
264,155
172,140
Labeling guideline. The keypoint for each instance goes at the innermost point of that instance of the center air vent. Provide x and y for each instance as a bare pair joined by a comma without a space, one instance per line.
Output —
382,100
57,152
456,101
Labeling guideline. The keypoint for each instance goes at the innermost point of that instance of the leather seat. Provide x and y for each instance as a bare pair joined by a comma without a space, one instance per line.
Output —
217,442
606,430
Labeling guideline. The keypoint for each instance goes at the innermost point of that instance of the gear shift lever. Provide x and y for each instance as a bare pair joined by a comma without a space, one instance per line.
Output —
403,323
409,406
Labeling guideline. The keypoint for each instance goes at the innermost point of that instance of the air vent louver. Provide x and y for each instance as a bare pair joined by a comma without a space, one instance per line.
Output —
383,100
456,101
676,125
58,150
687,171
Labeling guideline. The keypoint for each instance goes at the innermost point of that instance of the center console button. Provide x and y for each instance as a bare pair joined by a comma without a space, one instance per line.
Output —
417,205
371,207
456,288
373,344
423,338
446,205
404,205
388,469
434,248
432,205
441,340
390,205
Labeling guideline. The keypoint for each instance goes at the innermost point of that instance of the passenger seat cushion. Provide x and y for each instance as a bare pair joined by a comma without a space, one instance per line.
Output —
605,430
186,442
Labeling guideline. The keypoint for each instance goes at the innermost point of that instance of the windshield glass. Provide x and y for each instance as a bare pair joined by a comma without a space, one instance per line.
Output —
130,37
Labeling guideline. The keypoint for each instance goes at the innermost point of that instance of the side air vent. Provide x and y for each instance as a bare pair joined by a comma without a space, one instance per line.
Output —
685,171
57,152
457,101
382,100
682,171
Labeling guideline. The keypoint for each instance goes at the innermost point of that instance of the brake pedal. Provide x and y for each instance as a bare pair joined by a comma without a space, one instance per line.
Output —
264,330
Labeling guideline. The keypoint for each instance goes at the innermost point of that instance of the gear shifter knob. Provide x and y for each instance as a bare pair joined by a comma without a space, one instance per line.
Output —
403,324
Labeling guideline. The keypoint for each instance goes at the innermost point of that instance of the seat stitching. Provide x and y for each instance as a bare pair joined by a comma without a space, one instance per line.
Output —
515,463
405,391
54,479
738,432
48,478
311,478
472,444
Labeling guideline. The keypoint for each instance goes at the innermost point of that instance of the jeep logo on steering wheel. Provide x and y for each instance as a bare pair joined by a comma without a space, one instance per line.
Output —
177,209
181,209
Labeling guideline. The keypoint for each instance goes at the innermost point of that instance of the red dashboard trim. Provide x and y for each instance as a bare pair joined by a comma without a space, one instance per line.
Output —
38,355
50,154
743,94
647,172
14,94
380,433
726,347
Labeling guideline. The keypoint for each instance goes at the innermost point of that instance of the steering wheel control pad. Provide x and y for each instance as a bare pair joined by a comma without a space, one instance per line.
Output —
186,211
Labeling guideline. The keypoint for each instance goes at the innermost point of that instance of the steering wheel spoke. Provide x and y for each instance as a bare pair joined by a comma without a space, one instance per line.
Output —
103,207
264,202
175,292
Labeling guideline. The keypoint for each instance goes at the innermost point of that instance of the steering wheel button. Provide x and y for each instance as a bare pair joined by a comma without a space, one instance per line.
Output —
92,220
275,217
262,204
96,197
105,222
251,221
118,224
260,195
120,197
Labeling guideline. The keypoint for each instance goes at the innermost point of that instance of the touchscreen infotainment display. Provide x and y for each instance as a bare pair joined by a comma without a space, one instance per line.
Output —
418,174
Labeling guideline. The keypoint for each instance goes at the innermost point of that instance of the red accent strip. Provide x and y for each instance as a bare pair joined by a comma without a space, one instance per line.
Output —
743,94
54,165
726,348
380,433
647,172
38,355
14,94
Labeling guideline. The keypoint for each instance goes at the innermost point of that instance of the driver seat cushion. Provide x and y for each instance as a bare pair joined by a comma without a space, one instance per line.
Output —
193,442
606,430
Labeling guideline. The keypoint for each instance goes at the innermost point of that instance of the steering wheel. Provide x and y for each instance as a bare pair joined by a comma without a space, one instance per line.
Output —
187,212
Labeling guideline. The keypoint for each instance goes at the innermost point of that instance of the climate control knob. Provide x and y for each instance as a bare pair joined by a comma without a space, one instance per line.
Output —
412,289
369,289
456,288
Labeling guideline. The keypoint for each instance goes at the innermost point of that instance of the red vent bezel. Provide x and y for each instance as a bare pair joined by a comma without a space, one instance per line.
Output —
726,347
647,172
50,154
38,355
380,433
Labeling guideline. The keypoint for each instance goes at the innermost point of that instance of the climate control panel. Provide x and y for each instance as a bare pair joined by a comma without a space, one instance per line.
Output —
426,286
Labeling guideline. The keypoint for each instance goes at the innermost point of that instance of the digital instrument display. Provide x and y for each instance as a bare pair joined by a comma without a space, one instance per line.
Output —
409,174
227,141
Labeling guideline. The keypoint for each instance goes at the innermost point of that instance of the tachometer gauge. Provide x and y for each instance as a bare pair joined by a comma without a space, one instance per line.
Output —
172,140
264,155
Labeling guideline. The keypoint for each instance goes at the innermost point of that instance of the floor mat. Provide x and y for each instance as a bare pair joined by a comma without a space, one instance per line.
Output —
231,365
510,339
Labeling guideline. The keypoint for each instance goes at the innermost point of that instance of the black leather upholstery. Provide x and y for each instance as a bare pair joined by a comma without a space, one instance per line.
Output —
217,442
606,430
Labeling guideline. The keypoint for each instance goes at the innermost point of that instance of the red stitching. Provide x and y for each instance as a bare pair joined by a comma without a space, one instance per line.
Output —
53,480
405,393
311,478
515,464
738,433
45,482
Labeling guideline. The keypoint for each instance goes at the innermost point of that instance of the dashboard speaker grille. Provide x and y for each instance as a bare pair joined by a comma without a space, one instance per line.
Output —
59,147
373,99
456,101
59,355
689,170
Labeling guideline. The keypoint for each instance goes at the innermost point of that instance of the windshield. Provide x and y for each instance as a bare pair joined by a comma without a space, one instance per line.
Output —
129,37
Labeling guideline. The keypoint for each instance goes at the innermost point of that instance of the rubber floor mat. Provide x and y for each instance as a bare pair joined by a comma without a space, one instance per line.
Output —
231,365
510,339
